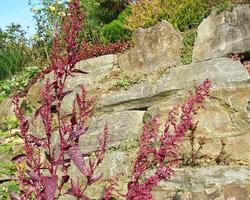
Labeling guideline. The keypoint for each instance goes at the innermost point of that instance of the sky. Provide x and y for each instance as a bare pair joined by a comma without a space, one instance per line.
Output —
17,11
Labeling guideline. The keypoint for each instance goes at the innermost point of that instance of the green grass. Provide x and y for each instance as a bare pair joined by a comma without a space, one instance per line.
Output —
12,59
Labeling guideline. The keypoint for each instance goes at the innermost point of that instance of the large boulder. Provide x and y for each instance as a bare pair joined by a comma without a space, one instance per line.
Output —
154,47
223,33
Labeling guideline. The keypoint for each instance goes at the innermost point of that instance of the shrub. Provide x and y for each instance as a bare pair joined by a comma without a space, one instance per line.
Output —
17,82
183,14
116,30
187,46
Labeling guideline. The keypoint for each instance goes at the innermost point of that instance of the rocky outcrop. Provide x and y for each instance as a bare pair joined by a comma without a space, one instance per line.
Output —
227,115
154,47
223,33
223,72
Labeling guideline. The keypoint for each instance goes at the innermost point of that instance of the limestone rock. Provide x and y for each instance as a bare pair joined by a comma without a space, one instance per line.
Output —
122,126
97,69
155,47
223,33
223,72
226,117
213,183
6,109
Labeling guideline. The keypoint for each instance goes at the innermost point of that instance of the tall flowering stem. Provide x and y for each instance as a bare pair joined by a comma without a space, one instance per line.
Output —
47,163
161,152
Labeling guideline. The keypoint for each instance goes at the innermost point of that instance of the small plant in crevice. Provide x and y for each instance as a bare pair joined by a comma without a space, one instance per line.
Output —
192,159
195,156
223,157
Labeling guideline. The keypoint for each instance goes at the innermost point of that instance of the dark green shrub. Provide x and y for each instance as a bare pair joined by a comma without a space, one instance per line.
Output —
116,30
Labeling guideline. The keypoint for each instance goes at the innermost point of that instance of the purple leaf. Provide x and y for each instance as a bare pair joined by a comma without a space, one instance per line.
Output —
79,71
50,186
26,126
19,158
65,179
93,179
77,134
38,142
75,155
33,175
38,111
66,93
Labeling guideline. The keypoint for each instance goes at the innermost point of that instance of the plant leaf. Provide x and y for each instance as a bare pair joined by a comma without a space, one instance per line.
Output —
50,186
19,158
75,155
77,134
33,175
79,71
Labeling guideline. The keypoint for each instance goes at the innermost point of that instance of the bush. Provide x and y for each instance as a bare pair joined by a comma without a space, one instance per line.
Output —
183,14
116,30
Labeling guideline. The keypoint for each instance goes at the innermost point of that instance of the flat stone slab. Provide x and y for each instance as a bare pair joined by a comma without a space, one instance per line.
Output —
222,72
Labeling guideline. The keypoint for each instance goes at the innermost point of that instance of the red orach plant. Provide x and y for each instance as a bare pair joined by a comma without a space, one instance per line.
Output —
41,178
164,157
159,153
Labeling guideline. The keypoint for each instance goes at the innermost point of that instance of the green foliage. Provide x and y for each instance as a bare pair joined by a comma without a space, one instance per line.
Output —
14,51
187,47
12,59
100,13
188,14
183,14
7,188
116,30
18,81
124,83
10,122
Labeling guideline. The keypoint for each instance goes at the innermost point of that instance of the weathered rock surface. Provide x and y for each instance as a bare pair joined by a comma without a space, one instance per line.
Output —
224,33
6,110
97,69
212,183
223,72
122,126
155,47
227,117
